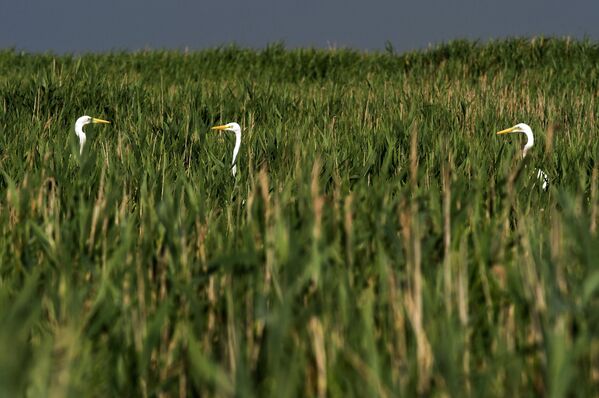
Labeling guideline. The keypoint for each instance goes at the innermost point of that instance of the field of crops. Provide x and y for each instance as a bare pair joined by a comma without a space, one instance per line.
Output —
379,238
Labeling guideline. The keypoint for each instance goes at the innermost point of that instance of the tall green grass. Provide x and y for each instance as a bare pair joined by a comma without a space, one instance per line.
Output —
380,239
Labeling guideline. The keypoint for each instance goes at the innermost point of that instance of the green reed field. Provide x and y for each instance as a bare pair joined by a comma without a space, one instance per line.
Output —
379,240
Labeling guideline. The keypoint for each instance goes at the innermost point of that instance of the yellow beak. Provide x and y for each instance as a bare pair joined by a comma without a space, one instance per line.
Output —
510,130
94,120
223,127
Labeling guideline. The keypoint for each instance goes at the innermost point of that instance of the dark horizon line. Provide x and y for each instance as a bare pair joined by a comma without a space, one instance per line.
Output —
388,46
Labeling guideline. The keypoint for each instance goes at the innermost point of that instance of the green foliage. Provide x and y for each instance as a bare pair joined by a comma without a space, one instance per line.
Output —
379,239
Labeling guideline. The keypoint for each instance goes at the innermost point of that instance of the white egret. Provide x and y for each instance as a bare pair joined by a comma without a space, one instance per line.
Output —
82,121
234,127
530,141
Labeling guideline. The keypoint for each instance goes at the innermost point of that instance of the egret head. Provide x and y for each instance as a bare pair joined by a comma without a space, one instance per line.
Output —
525,129
519,128
83,120
228,127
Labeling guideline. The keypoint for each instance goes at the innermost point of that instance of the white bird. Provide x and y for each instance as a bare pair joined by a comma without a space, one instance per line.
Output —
530,141
234,127
82,121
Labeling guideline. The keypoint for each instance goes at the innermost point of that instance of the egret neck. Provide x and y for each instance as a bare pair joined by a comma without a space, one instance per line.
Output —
234,127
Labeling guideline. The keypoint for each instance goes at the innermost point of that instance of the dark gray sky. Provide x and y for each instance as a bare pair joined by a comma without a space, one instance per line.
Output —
77,26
